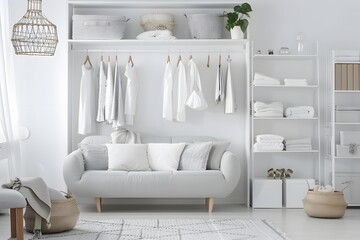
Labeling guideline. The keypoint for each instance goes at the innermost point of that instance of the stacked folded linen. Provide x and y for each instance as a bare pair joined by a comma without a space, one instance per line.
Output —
295,82
156,35
274,109
269,142
300,112
261,79
299,144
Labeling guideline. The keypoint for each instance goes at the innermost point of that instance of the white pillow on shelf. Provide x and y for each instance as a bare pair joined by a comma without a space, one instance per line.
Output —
128,157
165,156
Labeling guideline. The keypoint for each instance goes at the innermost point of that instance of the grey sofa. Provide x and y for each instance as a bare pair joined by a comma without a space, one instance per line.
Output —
207,184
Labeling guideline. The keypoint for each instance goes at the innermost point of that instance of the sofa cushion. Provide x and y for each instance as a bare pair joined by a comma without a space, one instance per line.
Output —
164,156
195,156
95,156
217,150
128,157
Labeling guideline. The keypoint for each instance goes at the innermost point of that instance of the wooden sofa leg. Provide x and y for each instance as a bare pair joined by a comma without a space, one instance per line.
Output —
211,204
19,224
13,222
207,203
98,204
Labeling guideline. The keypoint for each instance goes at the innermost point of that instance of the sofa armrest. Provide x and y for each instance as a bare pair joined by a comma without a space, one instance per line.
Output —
73,168
230,167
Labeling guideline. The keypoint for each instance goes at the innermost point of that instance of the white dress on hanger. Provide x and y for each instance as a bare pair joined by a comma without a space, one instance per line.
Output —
168,93
86,123
102,92
117,110
109,94
196,100
219,87
182,93
230,101
132,90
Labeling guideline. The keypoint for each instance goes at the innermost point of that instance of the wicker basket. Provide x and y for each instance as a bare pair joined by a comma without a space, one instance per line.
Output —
158,21
324,204
64,216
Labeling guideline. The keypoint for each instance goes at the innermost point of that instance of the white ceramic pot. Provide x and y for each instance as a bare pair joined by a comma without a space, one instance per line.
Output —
236,33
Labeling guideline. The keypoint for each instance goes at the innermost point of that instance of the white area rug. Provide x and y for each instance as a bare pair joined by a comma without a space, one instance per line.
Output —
170,229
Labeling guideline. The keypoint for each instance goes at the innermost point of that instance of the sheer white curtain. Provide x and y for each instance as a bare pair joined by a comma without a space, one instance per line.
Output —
9,146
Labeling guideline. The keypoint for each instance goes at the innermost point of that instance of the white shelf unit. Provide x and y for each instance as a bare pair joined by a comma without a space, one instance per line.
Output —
306,164
342,168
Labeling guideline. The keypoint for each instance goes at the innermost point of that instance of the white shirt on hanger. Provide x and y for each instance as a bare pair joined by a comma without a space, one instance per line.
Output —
230,101
168,93
182,93
102,93
132,89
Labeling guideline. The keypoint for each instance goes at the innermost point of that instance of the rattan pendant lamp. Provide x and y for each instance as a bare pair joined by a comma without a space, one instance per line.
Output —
34,34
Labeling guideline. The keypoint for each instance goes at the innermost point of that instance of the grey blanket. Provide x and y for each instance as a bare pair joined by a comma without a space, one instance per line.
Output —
124,135
37,195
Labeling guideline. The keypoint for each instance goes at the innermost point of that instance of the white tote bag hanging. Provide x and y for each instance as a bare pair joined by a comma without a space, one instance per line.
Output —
102,93
168,92
230,102
196,100
182,92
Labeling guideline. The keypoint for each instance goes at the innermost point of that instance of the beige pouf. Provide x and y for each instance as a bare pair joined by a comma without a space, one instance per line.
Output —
64,216
324,204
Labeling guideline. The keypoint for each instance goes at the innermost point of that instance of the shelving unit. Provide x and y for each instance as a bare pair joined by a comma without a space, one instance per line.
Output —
306,164
342,168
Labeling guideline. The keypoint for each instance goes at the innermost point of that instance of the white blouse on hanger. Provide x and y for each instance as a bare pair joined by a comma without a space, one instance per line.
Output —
117,111
168,93
102,93
132,89
109,94
182,93
86,121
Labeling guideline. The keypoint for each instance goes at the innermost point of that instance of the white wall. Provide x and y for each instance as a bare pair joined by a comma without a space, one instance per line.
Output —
42,81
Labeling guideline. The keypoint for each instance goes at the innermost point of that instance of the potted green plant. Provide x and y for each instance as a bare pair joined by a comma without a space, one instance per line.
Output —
237,21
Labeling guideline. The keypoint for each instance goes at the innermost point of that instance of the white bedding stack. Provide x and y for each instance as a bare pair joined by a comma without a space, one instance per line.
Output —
268,142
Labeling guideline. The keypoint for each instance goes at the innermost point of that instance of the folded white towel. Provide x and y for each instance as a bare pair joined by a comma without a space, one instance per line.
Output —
300,112
269,138
269,114
156,35
259,104
263,77
298,141
271,147
266,82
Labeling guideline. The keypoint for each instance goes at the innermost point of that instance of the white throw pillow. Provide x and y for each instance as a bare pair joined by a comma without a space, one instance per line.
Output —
195,156
165,156
128,157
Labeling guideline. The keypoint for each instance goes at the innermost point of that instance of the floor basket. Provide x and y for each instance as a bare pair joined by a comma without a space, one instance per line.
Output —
64,216
324,204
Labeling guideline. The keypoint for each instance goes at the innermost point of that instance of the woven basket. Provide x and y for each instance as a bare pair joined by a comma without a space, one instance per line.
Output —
324,204
64,216
158,21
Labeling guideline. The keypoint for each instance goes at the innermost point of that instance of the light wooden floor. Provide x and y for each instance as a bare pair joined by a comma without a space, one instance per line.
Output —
294,222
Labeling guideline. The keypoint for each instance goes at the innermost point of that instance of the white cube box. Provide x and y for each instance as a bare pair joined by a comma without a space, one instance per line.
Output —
266,193
344,151
295,191
349,137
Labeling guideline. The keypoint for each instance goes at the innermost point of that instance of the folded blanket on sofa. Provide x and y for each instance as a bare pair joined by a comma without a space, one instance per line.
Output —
269,138
271,147
300,112
124,136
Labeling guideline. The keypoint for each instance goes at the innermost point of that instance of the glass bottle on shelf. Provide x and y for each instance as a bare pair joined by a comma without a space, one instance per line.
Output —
300,43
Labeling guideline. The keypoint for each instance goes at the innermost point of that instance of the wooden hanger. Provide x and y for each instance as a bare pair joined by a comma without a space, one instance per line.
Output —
208,61
131,61
87,59
179,59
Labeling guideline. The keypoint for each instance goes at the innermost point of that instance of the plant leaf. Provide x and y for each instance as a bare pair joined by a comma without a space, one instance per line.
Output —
243,23
232,17
246,8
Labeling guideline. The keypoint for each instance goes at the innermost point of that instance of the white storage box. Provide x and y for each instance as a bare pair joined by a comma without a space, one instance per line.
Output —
349,137
343,151
266,193
352,193
347,116
98,27
205,25
295,191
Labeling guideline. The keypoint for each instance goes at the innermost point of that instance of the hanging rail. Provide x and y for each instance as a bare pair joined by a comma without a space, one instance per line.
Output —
170,51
